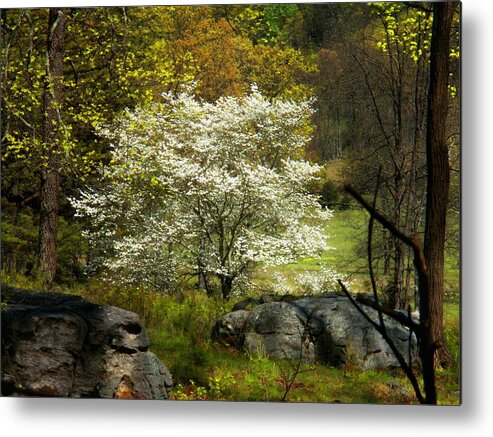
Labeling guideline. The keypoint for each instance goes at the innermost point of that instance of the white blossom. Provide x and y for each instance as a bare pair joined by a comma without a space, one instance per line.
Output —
212,187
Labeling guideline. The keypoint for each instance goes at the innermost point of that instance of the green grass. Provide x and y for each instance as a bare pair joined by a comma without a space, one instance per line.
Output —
203,369
452,277
346,230
343,232
179,330
219,373
347,234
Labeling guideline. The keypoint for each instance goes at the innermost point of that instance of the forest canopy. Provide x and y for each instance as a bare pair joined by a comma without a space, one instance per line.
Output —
365,67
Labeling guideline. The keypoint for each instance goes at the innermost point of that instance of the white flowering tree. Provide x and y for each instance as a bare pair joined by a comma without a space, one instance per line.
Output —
205,190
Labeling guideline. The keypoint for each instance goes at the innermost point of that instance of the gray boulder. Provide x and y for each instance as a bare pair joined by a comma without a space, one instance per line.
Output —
342,334
326,329
278,330
61,345
229,329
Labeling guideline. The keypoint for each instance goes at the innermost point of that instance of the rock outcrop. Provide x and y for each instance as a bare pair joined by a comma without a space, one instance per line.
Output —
228,330
278,330
61,345
326,329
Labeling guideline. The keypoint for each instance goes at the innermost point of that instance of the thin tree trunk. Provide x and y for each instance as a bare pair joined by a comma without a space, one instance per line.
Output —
200,264
50,173
438,178
226,286
396,298
426,342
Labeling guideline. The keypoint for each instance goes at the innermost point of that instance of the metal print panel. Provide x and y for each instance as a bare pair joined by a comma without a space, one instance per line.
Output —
232,202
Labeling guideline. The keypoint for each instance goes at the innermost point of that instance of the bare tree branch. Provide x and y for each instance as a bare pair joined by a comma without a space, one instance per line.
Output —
387,224
383,332
396,315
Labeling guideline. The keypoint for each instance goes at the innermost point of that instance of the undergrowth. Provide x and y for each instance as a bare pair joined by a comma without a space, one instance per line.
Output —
179,329
203,369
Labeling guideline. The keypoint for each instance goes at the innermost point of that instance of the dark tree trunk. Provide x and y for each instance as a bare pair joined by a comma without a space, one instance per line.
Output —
429,262
202,278
438,178
396,297
50,172
226,286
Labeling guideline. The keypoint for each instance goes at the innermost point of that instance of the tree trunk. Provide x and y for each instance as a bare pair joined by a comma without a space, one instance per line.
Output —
438,178
396,299
226,286
50,172
202,280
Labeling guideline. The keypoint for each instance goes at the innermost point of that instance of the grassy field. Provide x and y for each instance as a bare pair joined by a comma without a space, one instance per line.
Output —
346,234
214,372
343,232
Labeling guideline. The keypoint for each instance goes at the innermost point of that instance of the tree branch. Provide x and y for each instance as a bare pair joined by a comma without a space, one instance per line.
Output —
387,224
418,6
396,315
381,330
369,249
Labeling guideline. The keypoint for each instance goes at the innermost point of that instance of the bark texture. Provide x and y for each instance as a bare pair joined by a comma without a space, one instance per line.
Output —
52,130
438,174
438,180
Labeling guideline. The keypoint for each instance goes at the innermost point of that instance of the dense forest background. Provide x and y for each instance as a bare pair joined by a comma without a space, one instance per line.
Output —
365,68
366,65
